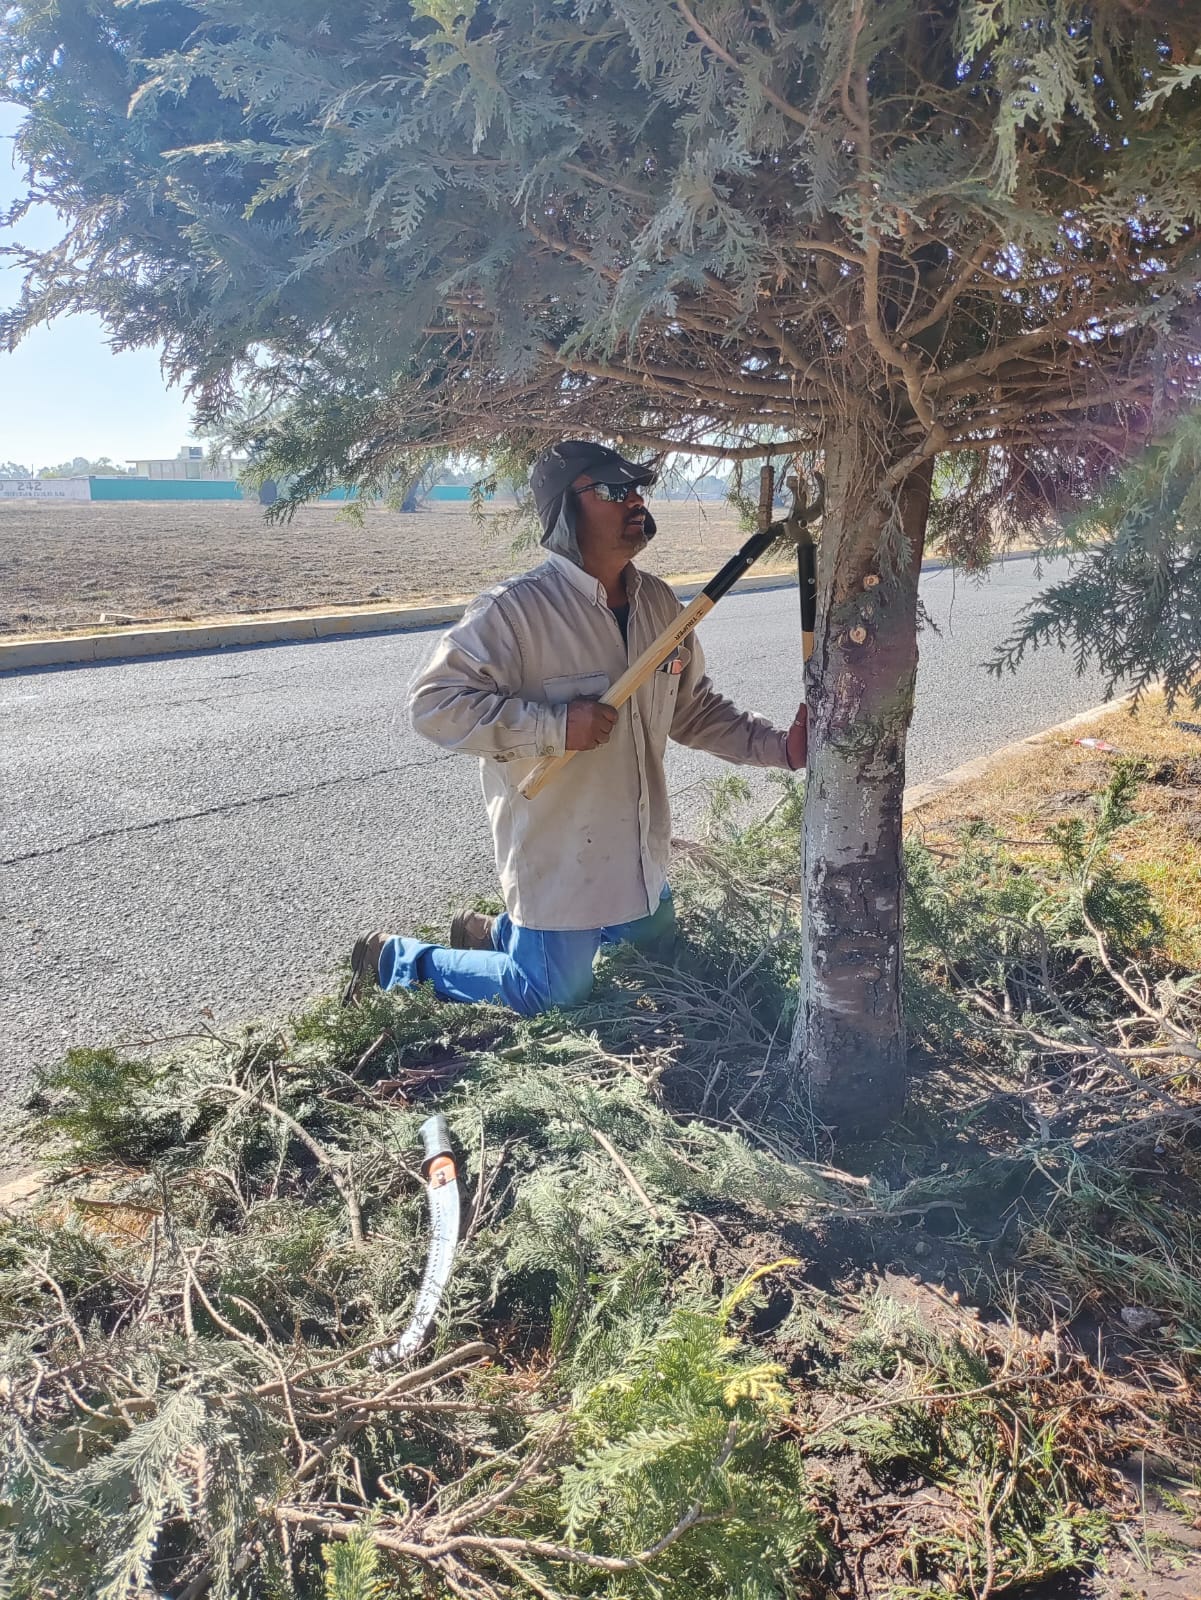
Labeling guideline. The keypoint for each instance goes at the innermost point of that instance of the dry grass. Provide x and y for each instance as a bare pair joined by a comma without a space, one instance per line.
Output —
1050,780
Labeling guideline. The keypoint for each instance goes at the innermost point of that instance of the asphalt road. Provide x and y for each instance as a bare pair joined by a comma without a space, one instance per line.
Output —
208,833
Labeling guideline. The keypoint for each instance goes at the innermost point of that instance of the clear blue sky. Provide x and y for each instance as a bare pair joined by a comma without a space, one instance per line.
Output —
63,392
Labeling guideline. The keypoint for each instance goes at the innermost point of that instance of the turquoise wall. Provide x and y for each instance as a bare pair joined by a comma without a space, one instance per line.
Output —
164,489
443,491
172,489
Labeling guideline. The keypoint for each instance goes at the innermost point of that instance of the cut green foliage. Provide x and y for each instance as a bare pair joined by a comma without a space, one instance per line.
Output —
686,1405
354,1571
204,1387
108,1107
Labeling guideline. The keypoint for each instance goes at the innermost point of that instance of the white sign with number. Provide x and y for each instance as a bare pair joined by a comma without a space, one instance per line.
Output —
45,489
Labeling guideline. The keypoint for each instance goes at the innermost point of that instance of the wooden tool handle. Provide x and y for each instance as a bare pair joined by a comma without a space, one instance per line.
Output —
631,680
657,653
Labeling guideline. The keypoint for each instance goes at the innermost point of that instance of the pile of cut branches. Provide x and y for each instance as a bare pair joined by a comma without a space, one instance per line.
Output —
192,1314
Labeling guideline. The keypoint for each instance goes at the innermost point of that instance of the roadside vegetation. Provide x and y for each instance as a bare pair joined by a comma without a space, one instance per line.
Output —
690,1348
1025,805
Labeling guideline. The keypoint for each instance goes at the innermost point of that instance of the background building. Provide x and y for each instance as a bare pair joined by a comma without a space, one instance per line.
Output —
190,466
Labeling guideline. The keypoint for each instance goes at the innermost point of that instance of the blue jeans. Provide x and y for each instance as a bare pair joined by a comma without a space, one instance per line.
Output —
526,970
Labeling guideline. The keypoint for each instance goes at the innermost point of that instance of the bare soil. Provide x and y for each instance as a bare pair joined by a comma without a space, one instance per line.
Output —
75,567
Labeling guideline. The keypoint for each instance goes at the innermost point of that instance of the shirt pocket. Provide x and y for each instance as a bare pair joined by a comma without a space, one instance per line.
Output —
575,686
665,690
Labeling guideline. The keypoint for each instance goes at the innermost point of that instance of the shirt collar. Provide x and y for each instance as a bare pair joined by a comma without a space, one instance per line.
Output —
588,585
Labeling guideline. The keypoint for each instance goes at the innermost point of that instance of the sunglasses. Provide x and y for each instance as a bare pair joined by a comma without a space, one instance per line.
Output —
615,493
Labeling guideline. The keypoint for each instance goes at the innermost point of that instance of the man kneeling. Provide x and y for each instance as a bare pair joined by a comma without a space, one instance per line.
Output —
523,676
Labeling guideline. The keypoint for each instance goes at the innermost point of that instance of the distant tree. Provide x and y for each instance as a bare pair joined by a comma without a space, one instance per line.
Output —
81,467
882,233
14,469
411,486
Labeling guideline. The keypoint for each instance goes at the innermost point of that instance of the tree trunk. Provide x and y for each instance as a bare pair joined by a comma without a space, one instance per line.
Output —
849,1038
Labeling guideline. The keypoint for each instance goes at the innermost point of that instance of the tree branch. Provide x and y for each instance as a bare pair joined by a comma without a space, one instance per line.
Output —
784,107
437,1549
951,293
953,378
319,1153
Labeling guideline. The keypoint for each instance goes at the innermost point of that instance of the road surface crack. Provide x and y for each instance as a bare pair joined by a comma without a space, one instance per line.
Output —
216,811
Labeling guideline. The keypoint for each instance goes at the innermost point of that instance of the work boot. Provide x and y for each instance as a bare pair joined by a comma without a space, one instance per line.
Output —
471,930
364,965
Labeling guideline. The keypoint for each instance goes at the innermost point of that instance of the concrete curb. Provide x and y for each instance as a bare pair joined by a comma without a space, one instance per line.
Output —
84,648
924,794
24,655
81,649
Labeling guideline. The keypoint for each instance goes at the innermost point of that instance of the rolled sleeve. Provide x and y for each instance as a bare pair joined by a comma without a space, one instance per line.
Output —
464,698
706,720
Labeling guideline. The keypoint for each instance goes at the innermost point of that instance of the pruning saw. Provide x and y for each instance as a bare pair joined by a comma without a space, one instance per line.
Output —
442,1196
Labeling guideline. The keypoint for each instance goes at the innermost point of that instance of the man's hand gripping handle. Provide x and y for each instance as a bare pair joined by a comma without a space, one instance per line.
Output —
655,654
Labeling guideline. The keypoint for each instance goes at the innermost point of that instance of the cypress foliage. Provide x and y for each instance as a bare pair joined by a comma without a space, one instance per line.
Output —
458,222
888,234
1132,603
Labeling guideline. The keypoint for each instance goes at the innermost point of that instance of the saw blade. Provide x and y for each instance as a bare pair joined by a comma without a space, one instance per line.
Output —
442,1194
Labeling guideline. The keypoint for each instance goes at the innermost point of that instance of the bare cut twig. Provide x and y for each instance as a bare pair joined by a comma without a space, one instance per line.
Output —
455,1361
320,1154
1183,1041
370,1051
417,1551
639,1192
55,1288
454,1544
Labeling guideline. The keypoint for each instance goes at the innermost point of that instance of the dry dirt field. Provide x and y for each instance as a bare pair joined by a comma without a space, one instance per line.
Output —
69,567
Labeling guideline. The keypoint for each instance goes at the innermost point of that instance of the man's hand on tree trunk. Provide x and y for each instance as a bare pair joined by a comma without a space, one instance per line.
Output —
798,738
589,724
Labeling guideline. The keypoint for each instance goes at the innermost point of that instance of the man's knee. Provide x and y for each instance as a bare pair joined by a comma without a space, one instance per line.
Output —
658,931
554,979
571,989
557,992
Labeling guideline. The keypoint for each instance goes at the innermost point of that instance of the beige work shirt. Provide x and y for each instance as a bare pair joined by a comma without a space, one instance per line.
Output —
591,850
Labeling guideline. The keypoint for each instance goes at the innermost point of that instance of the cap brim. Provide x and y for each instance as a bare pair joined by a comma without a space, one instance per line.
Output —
623,472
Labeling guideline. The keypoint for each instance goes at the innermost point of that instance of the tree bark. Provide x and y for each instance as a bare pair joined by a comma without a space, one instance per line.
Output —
849,1037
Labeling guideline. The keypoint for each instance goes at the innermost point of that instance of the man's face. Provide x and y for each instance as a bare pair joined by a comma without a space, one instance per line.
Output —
606,529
